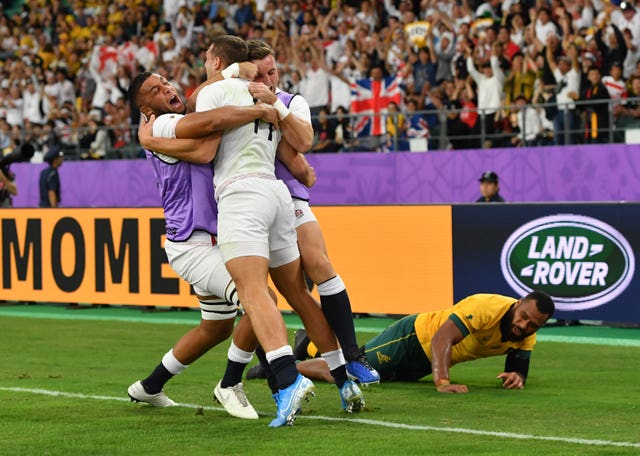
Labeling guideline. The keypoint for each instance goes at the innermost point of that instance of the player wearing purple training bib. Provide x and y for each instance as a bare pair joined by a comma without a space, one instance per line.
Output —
191,226
334,299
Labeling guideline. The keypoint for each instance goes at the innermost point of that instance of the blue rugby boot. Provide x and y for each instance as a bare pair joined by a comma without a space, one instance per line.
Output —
352,398
290,400
360,371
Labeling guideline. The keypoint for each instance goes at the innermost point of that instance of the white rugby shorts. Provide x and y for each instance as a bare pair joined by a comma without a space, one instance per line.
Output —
256,218
198,261
303,212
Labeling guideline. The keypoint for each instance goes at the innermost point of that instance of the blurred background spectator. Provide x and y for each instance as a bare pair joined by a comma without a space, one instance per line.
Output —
457,66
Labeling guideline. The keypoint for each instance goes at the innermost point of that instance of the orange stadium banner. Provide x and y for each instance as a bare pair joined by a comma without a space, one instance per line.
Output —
394,260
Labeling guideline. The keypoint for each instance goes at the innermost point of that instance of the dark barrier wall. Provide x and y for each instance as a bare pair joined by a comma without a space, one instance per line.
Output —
571,173
582,254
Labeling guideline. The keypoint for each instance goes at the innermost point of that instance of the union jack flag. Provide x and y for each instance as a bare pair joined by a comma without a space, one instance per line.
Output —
372,97
418,126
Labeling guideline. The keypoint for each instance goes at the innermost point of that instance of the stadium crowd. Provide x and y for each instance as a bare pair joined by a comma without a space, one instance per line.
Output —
378,75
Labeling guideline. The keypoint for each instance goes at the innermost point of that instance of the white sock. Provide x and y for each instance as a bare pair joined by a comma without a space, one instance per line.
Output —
334,359
279,353
239,356
172,364
331,286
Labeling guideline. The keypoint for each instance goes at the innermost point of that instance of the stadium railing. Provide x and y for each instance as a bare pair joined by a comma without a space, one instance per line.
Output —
440,136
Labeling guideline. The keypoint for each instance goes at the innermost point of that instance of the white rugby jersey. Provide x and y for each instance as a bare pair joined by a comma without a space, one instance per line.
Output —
248,150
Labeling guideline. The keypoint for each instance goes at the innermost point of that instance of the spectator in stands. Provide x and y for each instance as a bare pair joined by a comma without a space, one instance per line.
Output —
32,105
424,71
567,76
417,126
325,134
544,26
628,114
596,111
435,117
614,50
463,127
309,61
101,145
628,18
13,104
52,37
396,129
66,92
510,48
633,53
490,85
615,84
520,79
444,51
528,122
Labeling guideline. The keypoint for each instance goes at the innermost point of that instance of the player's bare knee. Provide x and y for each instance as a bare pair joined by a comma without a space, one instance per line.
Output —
215,331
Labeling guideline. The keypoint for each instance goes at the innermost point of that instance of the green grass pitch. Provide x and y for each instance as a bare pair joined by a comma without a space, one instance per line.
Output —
63,383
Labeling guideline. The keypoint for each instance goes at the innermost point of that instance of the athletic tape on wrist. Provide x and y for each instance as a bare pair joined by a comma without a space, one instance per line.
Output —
232,71
283,111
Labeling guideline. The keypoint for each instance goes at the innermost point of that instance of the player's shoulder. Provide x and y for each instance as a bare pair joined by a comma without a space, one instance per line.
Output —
299,100
165,125
487,301
224,86
169,117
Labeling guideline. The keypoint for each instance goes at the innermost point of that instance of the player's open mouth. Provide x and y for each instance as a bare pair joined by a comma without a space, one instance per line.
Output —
175,101
516,331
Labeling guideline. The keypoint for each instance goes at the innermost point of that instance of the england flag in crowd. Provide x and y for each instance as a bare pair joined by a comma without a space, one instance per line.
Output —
105,59
369,100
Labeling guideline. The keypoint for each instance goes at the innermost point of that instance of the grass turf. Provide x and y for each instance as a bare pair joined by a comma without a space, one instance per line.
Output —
580,399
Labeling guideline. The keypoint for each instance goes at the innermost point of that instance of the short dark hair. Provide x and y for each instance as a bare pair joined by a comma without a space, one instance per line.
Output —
258,50
230,49
544,302
134,89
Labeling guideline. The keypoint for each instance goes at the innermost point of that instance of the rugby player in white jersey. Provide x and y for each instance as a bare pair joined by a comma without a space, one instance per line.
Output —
293,290
256,236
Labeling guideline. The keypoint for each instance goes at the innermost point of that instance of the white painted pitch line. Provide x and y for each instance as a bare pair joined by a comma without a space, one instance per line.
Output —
412,427
589,340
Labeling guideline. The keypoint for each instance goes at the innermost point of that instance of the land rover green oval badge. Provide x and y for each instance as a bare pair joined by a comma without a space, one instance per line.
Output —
581,261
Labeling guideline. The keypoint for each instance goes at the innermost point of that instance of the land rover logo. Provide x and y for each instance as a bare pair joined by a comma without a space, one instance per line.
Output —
581,261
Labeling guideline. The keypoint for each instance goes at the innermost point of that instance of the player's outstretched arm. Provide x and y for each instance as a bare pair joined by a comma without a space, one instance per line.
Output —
199,150
442,343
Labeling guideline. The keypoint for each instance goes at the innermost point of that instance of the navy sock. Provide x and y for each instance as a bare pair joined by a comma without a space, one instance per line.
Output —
337,310
271,379
284,369
233,374
155,382
340,375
